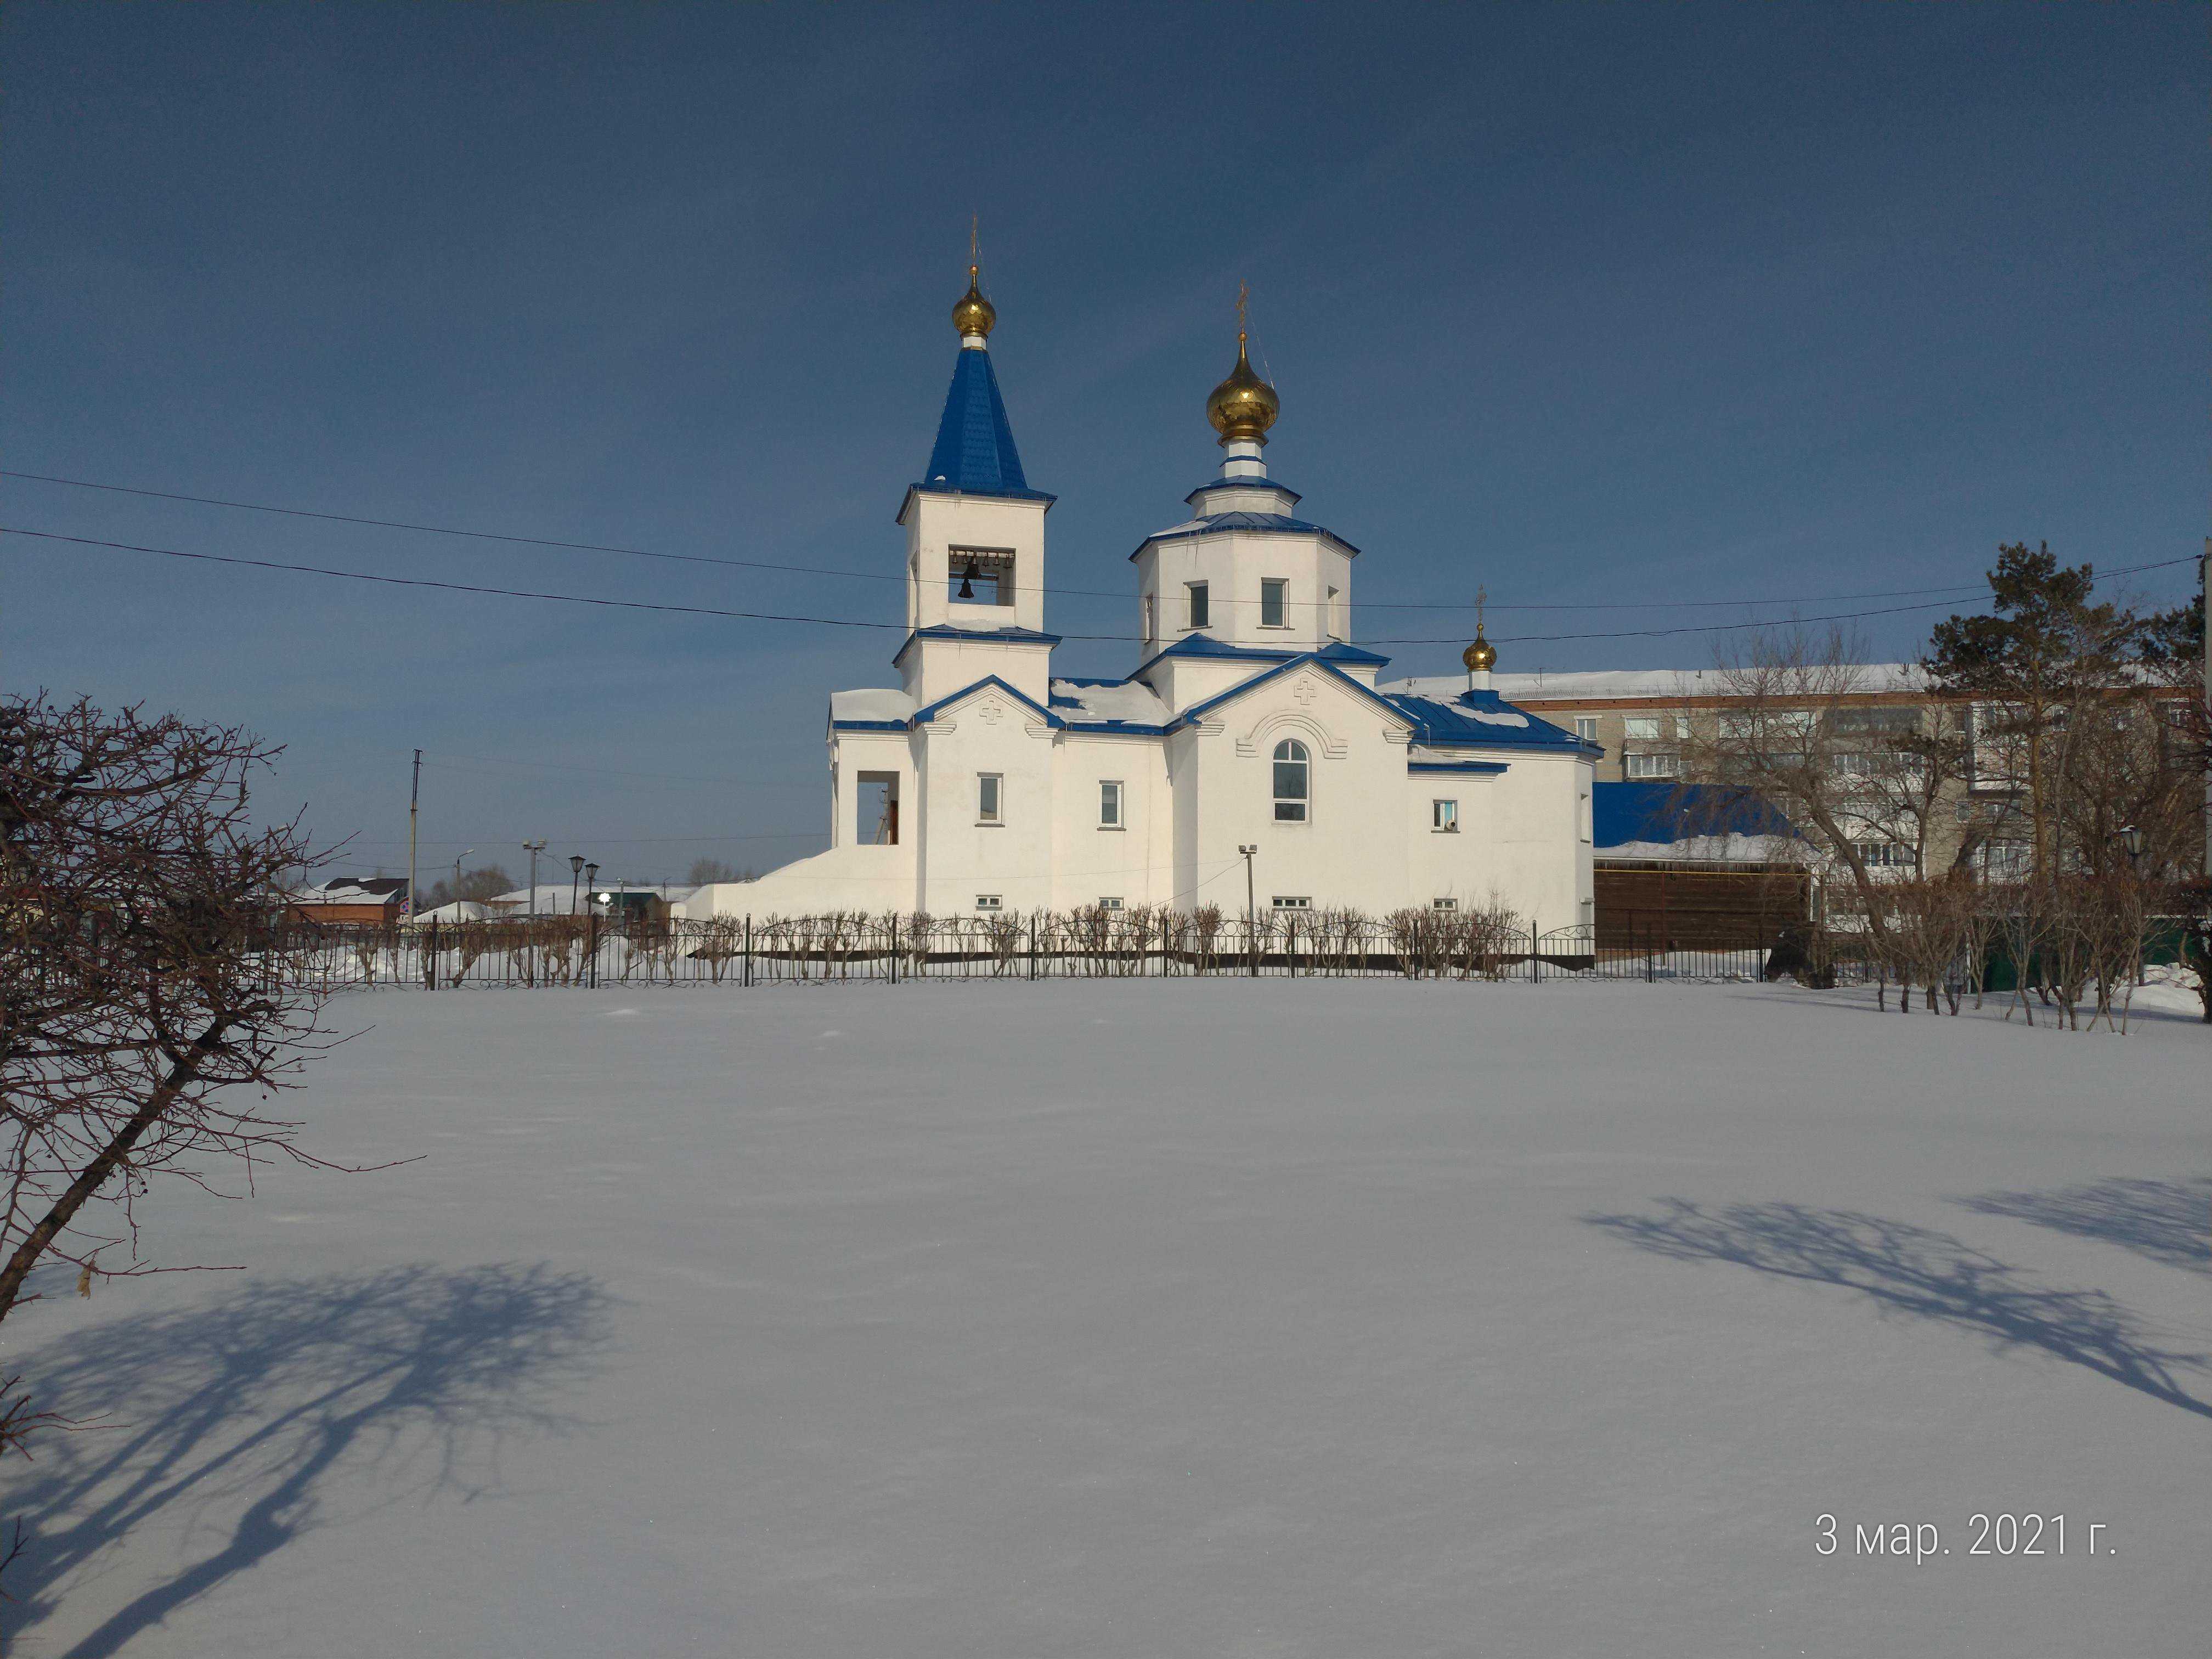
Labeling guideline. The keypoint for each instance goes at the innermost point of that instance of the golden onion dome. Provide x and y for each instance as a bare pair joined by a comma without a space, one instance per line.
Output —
975,313
1480,655
1244,406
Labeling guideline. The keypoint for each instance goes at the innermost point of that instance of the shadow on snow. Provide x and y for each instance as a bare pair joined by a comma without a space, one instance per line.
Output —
236,1417
2168,1221
1916,1270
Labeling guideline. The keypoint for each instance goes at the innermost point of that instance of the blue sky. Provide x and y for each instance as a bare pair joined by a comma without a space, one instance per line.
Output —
1592,305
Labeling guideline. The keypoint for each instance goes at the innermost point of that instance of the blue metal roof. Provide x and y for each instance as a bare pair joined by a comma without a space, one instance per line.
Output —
1204,645
974,450
980,635
1458,723
1623,812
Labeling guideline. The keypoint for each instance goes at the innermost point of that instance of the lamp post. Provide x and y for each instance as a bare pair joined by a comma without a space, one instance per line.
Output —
533,847
1251,911
575,873
466,851
592,949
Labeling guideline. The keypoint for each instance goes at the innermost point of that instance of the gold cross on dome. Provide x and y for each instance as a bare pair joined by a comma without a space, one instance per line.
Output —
1481,597
1243,294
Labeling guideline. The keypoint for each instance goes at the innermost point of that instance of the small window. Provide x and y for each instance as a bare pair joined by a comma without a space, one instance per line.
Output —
1292,768
1288,902
989,902
1655,766
1444,816
1272,594
1335,617
1640,728
988,787
879,809
1198,615
1443,904
1586,727
1149,621
1109,803
1110,903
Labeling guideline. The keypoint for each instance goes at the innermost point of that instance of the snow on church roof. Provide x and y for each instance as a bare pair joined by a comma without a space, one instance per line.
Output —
1080,702
1479,717
874,703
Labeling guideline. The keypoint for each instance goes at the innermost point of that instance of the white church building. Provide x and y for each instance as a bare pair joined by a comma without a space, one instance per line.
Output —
984,783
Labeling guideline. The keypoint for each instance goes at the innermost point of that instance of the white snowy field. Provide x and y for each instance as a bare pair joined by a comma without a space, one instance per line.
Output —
1182,1317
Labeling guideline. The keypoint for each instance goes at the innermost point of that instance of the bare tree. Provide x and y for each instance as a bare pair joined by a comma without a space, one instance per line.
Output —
146,1009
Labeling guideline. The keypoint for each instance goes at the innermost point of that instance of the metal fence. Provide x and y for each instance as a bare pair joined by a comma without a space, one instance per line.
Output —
594,951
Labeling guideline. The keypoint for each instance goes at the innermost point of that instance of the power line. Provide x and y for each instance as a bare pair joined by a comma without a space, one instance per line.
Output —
900,576
847,621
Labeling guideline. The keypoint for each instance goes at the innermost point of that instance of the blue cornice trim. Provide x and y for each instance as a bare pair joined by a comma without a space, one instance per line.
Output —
924,716
976,636
906,501
867,726
1245,484
1196,712
1221,525
1477,768
1204,645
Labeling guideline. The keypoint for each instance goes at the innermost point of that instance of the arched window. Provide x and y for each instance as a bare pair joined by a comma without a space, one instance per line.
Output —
1292,773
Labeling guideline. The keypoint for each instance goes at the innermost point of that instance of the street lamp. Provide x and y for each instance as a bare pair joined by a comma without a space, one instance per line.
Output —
1251,910
533,847
2131,837
591,881
466,851
575,872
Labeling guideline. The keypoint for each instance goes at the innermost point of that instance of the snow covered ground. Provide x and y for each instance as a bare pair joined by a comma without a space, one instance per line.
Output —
1160,1317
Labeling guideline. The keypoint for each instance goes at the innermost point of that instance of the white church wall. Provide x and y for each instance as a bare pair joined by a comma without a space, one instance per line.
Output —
1345,852
934,668
1233,564
963,856
1133,862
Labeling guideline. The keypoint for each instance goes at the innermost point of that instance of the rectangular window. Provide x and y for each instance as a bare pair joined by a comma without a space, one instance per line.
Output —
1640,728
1444,816
1586,727
988,787
1110,903
1109,803
989,902
1271,603
1199,615
1655,766
1286,902
1335,617
1151,628
1443,904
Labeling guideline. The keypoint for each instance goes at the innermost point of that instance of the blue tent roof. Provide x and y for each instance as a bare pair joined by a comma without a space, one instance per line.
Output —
974,450
1623,812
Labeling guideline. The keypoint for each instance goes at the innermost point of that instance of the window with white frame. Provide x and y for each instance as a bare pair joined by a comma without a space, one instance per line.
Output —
1443,904
1444,816
1114,904
1586,727
990,791
1643,728
1272,594
1200,614
1655,766
990,902
1293,902
1109,803
1293,781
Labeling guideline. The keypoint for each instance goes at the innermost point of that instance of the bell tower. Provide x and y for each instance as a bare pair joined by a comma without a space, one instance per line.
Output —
974,536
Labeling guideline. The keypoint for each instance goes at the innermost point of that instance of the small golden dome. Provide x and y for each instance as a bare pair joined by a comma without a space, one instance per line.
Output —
1244,406
974,314
1478,656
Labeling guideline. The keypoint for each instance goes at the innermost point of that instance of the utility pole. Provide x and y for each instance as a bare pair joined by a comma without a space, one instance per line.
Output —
466,851
533,847
1251,912
414,799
